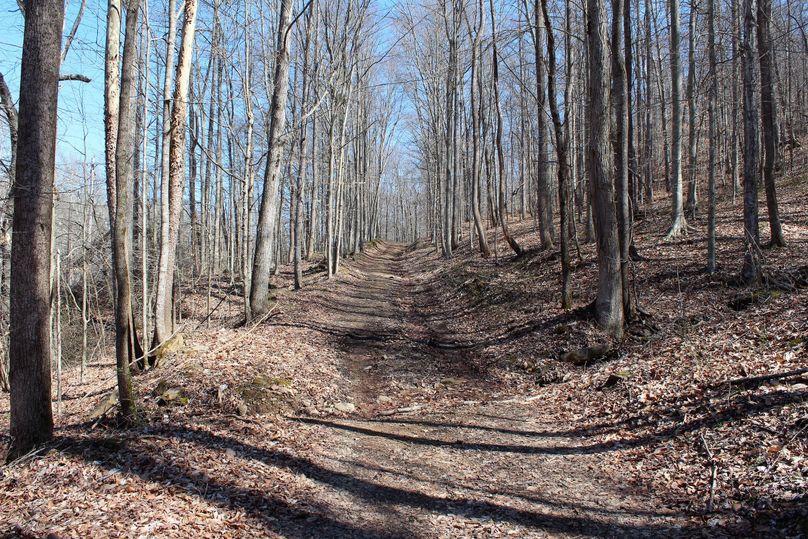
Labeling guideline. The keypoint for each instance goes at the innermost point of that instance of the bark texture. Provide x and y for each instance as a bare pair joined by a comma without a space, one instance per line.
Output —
164,295
679,224
264,244
770,118
29,353
750,272
609,300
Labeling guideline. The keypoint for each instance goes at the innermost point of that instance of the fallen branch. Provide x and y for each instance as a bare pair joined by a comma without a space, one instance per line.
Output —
713,473
404,410
239,418
28,456
756,380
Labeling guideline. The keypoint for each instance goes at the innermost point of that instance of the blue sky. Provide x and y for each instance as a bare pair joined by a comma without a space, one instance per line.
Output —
81,105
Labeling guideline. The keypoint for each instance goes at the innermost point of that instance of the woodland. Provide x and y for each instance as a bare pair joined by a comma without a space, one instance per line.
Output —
403,268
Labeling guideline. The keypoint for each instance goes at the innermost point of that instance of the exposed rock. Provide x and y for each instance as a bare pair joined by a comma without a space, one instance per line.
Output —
106,404
616,378
586,355
170,347
173,395
345,407
405,410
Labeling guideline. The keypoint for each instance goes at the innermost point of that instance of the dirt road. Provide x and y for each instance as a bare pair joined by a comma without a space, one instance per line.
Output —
433,450
396,430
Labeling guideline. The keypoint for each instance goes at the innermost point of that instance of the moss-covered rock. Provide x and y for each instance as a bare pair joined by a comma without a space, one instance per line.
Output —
173,396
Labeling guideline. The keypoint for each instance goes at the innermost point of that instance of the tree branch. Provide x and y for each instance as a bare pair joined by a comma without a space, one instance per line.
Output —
73,30
76,77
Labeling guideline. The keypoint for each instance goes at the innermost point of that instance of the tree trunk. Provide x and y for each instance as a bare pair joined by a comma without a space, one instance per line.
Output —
313,225
297,247
503,217
164,295
678,225
247,179
649,115
11,118
545,206
750,272
10,110
563,161
264,244
29,353
608,304
736,99
692,193
621,157
165,206
479,226
771,121
120,132
633,169
711,106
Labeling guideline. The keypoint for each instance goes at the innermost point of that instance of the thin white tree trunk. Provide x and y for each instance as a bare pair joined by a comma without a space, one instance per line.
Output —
163,319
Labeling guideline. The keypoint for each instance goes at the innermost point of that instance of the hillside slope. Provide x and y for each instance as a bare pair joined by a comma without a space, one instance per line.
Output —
417,397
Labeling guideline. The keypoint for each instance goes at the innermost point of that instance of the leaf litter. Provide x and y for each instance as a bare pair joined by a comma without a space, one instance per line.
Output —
418,397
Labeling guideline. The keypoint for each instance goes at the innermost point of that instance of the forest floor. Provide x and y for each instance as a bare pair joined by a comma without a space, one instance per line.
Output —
417,397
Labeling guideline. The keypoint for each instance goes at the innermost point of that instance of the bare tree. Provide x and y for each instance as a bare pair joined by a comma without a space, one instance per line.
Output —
608,305
165,143
692,128
750,272
479,226
7,102
264,243
545,206
119,129
503,216
564,176
770,117
32,191
621,155
679,224
735,98
712,104
164,295
297,247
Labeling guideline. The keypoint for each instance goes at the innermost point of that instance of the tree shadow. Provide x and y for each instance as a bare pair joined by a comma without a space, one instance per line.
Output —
510,334
270,511
740,406
531,498
737,406
465,426
279,516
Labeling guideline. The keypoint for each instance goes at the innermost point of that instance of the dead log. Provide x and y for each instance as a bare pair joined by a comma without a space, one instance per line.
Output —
584,356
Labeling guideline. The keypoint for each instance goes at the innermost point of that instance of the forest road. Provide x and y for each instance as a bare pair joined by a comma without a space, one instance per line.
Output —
428,449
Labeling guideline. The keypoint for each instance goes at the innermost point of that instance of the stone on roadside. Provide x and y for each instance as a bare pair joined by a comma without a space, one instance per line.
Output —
345,407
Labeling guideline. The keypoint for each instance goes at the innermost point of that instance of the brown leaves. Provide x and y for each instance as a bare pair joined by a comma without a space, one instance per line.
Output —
433,403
